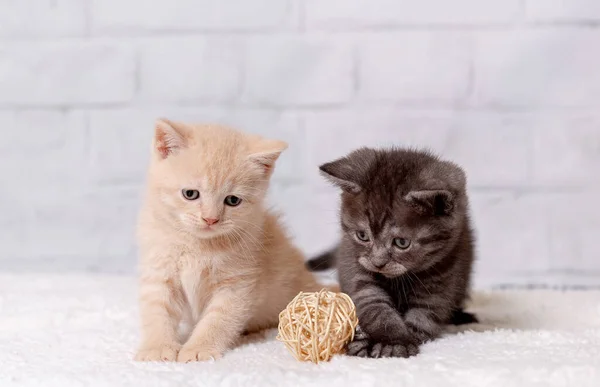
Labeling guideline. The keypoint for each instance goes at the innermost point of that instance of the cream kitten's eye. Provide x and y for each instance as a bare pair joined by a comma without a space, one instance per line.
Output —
402,243
190,194
362,236
232,201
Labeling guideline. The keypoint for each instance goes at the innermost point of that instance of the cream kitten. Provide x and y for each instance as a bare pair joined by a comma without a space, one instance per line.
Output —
211,254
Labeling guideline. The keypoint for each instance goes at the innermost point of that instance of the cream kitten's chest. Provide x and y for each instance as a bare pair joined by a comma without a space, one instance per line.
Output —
196,288
197,278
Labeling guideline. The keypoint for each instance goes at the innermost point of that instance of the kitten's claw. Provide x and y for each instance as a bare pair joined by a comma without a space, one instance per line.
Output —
189,354
413,350
358,348
399,350
362,346
159,353
376,350
362,353
419,336
395,350
387,351
365,348
359,334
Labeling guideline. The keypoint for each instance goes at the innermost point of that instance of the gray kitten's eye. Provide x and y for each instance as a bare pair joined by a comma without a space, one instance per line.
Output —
362,236
190,194
402,243
232,201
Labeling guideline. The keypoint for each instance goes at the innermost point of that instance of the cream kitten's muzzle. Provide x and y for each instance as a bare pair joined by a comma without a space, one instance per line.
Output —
205,227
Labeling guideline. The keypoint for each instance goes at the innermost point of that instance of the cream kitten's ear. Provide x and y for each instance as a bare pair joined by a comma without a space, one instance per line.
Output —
266,152
168,138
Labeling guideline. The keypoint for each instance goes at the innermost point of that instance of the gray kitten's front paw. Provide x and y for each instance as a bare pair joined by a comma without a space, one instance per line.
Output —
367,348
419,336
393,350
362,346
359,346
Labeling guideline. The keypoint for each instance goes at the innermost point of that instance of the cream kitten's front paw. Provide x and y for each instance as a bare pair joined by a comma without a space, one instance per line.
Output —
165,352
198,353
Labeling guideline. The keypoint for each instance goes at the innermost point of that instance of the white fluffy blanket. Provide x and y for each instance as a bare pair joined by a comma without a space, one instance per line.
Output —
82,331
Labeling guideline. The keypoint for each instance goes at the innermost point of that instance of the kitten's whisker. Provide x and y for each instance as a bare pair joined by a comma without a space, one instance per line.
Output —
417,277
248,255
243,241
255,241
256,227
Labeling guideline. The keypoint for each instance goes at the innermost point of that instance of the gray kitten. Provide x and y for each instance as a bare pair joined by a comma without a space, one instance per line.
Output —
406,252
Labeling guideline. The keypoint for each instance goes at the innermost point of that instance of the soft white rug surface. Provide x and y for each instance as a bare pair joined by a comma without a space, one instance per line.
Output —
82,331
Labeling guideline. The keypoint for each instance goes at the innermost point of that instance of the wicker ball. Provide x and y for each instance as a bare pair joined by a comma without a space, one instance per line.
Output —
316,326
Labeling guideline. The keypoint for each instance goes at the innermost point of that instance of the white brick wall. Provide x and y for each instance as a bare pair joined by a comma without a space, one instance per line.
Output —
352,14
426,67
42,18
139,16
189,70
508,88
313,71
66,73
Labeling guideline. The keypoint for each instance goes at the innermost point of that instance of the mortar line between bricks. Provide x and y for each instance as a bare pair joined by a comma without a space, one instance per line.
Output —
88,17
549,232
515,190
532,188
471,75
267,33
354,104
567,271
224,34
512,26
137,77
301,8
529,159
409,109
581,24
356,69
241,68
87,139
522,15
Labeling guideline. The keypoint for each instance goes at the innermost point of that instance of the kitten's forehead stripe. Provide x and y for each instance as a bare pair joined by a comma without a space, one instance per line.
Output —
378,221
394,230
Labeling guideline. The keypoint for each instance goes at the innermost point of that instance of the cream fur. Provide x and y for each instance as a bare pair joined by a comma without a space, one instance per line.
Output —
234,276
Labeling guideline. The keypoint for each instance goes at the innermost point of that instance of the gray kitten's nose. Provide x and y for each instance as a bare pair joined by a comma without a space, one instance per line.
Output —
379,264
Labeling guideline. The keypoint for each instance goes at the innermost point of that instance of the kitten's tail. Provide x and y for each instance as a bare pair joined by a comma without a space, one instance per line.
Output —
322,262
460,317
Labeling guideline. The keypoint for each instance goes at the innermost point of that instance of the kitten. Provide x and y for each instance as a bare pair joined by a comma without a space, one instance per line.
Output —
406,252
210,253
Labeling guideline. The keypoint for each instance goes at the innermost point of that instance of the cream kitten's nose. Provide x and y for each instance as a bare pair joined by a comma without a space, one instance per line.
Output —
210,221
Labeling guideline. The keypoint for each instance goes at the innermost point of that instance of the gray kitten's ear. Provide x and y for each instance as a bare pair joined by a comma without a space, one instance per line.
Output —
348,171
454,175
446,172
436,202
339,172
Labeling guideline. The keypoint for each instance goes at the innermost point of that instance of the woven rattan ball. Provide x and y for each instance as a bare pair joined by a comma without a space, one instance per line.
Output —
316,326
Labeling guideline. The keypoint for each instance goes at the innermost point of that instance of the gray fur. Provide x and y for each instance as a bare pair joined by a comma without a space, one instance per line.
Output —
403,296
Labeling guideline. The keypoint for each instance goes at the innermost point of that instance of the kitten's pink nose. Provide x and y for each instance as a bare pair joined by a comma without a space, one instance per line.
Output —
210,221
